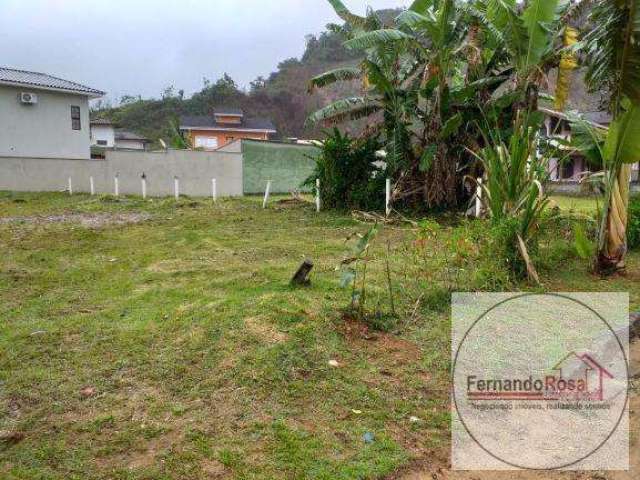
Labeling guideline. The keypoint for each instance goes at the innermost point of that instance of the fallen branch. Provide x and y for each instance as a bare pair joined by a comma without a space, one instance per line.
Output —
373,217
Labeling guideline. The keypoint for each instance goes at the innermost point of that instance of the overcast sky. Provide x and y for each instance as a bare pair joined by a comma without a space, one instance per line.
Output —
142,46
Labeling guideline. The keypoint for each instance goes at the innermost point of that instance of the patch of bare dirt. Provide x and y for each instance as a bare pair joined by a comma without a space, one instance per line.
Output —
93,220
265,330
213,469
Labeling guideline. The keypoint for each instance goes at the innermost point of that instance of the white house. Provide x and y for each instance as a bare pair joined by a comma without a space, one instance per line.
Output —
573,168
42,116
105,135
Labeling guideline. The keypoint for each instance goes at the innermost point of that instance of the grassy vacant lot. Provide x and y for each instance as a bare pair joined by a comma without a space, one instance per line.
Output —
155,340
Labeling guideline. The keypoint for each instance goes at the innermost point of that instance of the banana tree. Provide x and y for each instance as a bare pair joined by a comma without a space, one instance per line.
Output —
613,52
410,75
386,72
524,35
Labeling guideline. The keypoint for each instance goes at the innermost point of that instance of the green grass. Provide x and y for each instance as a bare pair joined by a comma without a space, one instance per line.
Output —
584,205
204,361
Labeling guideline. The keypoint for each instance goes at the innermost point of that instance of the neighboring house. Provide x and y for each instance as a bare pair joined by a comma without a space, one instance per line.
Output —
42,116
557,126
224,126
574,167
105,135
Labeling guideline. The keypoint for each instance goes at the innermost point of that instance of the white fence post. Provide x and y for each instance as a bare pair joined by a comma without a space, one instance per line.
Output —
318,205
214,189
92,187
116,186
266,194
70,187
144,186
176,187
479,198
387,200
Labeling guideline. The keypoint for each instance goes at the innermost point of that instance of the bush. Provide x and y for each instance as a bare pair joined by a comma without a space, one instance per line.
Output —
349,177
634,223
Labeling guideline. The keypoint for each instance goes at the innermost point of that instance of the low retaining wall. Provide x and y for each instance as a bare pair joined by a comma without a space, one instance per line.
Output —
194,169
575,188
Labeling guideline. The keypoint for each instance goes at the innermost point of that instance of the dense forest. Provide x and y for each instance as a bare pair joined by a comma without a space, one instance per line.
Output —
282,96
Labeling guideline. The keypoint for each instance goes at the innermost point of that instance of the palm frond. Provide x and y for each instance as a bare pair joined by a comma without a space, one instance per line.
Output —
333,76
352,108
623,142
345,14
612,49
536,17
504,16
420,6
374,38
481,16
413,19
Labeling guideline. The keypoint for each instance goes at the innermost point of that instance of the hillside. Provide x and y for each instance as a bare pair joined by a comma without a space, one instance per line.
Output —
282,96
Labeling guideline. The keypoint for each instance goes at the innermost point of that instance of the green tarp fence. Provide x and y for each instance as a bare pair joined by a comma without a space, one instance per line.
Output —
286,165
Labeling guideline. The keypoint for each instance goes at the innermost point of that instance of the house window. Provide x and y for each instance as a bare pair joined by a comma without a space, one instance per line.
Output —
75,118
102,143
208,143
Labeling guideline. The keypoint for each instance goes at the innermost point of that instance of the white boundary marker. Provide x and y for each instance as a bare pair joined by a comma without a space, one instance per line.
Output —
176,187
266,194
92,187
116,186
143,181
318,204
479,198
214,189
70,185
387,200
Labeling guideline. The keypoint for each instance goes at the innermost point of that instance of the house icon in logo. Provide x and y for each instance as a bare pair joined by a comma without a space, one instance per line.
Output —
578,377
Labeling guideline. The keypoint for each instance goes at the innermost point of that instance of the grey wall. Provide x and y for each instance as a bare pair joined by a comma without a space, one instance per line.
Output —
574,188
194,169
43,130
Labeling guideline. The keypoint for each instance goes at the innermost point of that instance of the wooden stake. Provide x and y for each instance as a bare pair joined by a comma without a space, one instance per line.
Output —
301,277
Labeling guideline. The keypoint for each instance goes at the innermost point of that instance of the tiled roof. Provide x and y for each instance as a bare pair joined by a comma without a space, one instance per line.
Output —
101,121
42,80
209,122
600,117
228,111
125,135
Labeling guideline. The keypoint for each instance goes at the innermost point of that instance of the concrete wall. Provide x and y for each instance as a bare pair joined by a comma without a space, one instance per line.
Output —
286,165
574,188
194,169
130,144
42,130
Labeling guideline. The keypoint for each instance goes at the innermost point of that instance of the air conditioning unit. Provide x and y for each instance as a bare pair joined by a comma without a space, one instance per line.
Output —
28,98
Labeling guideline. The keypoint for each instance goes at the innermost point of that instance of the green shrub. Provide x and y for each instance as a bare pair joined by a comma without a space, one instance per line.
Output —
634,223
349,177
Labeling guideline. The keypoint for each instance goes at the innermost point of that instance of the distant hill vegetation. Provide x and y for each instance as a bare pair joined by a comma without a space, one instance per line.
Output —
282,96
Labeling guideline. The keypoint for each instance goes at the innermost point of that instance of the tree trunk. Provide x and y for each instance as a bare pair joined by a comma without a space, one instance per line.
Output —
613,243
